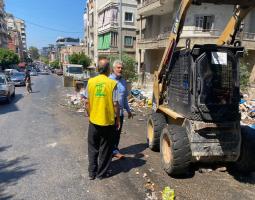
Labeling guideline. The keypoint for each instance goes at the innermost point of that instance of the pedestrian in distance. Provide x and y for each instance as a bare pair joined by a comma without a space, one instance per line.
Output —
28,81
123,102
101,103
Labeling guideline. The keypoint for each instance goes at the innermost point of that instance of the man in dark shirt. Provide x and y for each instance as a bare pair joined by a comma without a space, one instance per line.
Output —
28,82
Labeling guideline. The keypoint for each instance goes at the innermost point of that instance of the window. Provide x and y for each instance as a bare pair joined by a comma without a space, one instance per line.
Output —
128,41
204,23
128,17
114,39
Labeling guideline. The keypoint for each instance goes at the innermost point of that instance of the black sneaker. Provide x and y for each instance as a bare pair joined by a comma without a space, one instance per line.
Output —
92,177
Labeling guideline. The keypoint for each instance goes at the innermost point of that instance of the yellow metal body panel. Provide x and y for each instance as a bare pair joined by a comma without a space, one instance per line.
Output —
170,112
228,35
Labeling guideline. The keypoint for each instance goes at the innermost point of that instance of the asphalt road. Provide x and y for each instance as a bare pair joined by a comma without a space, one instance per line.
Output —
43,156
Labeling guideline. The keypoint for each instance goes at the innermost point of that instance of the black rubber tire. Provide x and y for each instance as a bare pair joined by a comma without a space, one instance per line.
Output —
176,143
8,99
157,121
246,161
13,95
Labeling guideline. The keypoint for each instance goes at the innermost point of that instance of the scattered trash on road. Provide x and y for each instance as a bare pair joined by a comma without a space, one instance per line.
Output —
168,194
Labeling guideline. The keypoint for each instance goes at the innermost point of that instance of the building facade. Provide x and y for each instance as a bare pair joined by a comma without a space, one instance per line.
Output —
21,26
203,24
14,36
65,52
54,51
111,27
90,36
117,26
3,26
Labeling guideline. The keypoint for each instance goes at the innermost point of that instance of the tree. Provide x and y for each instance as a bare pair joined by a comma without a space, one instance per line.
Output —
8,58
80,59
244,75
129,70
44,59
55,64
34,53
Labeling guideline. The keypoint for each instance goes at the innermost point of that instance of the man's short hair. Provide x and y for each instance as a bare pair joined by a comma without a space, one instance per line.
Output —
117,62
103,65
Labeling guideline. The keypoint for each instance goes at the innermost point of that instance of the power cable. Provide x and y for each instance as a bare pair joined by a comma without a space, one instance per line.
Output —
46,27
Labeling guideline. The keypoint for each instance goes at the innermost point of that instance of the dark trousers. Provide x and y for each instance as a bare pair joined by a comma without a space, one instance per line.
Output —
100,146
117,134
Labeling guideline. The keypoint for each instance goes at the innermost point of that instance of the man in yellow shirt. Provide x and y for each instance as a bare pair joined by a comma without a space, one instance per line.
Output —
101,101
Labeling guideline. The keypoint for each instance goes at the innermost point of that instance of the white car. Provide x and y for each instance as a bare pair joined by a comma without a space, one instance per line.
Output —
7,88
33,73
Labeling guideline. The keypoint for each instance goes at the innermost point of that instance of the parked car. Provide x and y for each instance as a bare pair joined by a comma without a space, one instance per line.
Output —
44,72
9,72
18,78
59,72
7,88
33,73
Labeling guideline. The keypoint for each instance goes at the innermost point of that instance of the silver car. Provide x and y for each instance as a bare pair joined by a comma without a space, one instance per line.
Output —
33,73
7,88
18,78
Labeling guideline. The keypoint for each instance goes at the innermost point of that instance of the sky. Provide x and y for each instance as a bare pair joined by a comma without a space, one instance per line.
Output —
65,17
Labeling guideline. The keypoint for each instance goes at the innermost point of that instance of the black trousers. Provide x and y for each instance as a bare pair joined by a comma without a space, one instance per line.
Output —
117,134
100,147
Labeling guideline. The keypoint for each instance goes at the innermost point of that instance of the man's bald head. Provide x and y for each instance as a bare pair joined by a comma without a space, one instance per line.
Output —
103,66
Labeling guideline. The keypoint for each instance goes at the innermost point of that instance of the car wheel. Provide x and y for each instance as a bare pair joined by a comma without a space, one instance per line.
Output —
13,95
8,99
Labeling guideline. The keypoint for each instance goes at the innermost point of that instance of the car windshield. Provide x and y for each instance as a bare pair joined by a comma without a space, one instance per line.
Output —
2,80
17,75
75,70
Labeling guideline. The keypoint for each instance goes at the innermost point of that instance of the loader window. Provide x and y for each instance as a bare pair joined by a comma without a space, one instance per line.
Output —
216,82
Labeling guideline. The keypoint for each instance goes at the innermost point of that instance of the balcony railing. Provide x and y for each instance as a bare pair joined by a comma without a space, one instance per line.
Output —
197,37
146,3
194,34
248,36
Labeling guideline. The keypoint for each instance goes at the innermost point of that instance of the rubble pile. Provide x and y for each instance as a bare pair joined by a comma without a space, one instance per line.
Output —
74,101
247,109
139,99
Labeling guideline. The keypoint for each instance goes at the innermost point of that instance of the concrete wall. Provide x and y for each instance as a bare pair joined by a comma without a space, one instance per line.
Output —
251,22
152,59
221,16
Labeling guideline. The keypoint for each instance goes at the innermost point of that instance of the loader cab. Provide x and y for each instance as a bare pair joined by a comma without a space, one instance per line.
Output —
203,83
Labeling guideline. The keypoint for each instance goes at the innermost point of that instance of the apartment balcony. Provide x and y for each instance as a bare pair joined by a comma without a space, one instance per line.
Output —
106,27
197,37
111,50
155,7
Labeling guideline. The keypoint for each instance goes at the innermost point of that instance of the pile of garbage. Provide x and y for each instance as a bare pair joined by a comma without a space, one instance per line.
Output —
247,109
75,102
140,99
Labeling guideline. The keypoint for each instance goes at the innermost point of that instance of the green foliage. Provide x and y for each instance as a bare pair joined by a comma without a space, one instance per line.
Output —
8,58
80,59
129,70
34,52
244,74
44,59
55,64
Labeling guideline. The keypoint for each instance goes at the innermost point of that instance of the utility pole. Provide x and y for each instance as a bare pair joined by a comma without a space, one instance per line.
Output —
120,31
